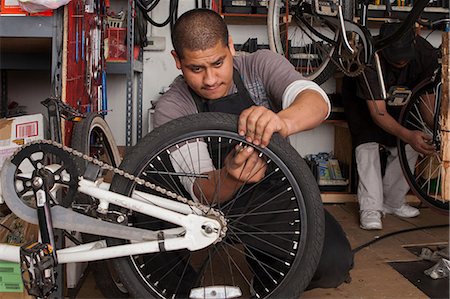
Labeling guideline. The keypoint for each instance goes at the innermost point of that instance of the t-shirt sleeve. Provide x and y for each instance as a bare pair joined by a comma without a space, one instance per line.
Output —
175,103
276,73
428,57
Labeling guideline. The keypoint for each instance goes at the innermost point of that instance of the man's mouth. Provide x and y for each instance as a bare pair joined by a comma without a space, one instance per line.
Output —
211,88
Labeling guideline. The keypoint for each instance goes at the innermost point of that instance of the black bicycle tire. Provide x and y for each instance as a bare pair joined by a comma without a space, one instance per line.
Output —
164,137
440,206
329,68
107,285
81,135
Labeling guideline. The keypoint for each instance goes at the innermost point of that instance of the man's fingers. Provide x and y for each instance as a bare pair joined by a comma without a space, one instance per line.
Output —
242,154
242,124
254,167
252,122
264,129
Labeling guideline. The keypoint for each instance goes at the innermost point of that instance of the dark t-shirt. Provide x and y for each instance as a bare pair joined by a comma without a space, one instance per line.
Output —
355,92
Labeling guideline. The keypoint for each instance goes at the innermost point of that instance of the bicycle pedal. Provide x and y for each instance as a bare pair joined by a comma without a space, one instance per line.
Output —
215,292
37,265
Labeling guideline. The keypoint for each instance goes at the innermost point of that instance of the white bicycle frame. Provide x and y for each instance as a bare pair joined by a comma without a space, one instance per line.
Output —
194,232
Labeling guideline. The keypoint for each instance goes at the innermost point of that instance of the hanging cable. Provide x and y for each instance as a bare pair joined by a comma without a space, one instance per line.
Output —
148,6
355,250
175,13
4,226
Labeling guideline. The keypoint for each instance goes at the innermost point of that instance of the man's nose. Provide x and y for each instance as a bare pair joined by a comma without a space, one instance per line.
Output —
210,77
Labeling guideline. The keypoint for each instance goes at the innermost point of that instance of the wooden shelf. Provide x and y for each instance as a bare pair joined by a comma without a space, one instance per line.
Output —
245,19
337,122
244,15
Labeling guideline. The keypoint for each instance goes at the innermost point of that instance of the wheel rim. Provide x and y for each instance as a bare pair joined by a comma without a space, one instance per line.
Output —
226,263
426,176
308,52
99,146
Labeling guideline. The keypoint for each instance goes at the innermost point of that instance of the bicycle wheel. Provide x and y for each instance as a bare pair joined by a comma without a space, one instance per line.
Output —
311,52
425,177
275,227
93,137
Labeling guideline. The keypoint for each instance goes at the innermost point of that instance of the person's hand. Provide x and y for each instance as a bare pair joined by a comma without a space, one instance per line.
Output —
421,142
245,165
258,124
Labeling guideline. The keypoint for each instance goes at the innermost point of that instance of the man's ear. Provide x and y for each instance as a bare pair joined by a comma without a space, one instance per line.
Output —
177,59
231,45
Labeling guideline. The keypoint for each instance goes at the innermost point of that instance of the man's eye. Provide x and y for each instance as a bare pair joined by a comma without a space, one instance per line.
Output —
196,69
218,63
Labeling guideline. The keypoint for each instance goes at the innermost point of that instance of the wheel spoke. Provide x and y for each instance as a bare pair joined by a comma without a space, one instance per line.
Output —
426,178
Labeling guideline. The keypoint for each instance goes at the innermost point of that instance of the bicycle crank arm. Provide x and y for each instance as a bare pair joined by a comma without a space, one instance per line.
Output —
99,250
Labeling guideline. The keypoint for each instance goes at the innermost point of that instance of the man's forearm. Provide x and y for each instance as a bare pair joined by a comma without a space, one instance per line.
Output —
218,187
307,112
390,125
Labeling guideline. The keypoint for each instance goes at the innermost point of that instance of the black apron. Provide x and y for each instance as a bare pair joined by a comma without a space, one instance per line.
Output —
234,103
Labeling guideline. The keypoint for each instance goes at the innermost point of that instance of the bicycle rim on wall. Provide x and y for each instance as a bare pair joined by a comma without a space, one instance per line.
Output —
289,30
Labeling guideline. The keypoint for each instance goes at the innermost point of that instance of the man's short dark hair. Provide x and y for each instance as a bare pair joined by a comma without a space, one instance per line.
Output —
198,29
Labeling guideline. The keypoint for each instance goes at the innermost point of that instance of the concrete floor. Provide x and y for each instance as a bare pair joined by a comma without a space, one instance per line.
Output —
372,276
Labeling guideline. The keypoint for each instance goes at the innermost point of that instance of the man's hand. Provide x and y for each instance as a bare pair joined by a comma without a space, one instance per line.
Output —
258,124
421,142
245,165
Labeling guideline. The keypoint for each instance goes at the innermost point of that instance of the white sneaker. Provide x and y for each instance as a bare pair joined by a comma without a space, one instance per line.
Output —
405,211
370,220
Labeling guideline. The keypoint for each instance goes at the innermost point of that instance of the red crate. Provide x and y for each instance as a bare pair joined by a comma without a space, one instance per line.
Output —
117,44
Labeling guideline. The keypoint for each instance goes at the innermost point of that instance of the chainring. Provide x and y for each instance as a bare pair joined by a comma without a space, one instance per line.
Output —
351,63
32,158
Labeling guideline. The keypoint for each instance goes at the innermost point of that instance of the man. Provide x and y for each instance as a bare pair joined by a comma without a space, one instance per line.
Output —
270,97
373,123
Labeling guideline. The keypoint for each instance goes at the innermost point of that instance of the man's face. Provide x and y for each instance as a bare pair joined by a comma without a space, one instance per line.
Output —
208,72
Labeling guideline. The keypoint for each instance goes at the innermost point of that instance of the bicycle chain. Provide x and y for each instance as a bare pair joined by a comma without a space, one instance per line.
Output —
350,74
204,209
356,73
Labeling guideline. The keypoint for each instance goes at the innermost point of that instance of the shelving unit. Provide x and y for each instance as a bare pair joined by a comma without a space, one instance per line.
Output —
133,69
31,43
243,8
376,12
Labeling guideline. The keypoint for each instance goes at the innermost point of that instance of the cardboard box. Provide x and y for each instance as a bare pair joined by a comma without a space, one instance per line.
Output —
17,131
12,8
